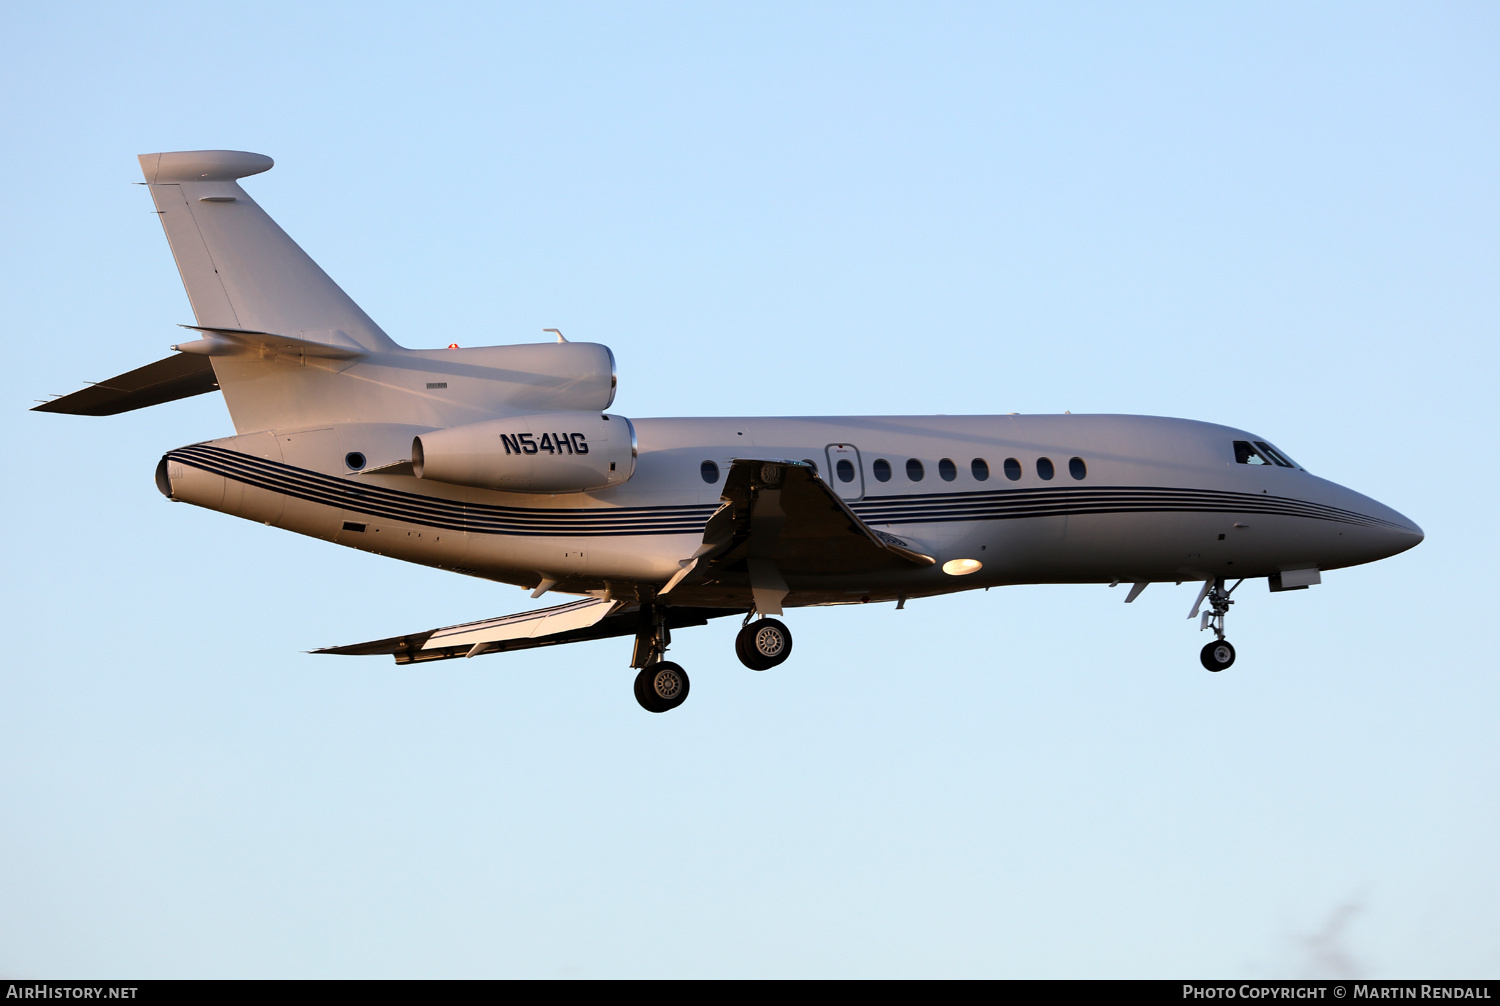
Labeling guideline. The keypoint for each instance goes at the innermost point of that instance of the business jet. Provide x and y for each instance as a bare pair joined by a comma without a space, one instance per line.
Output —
504,463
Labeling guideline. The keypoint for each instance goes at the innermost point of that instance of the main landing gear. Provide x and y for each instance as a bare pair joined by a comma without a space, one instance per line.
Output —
661,685
1219,654
763,643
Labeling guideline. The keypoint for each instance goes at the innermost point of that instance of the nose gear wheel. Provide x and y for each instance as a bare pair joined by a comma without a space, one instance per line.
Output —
1218,655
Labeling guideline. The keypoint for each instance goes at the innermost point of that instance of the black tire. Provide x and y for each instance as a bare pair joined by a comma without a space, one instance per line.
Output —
1217,656
640,692
661,686
763,644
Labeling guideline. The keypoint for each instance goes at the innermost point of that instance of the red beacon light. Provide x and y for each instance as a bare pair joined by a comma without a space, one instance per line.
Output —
452,345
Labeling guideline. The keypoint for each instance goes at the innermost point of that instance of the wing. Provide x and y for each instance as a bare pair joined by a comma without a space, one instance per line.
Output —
180,375
777,519
564,623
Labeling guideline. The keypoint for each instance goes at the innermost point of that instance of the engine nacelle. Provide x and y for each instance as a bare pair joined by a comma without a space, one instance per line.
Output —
555,452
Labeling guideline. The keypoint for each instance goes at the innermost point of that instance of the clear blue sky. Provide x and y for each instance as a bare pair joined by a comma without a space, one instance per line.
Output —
1277,216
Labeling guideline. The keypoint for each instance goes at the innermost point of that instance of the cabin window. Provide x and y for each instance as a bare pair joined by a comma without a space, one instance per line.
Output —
1246,454
1044,469
914,470
845,468
1078,469
980,470
709,471
947,470
882,470
1012,469
354,460
1275,455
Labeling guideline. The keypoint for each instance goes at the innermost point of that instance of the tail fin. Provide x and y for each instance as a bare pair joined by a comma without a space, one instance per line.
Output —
289,349
241,270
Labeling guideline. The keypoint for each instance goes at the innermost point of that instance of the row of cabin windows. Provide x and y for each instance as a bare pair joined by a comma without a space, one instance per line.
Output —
947,469
1246,452
979,468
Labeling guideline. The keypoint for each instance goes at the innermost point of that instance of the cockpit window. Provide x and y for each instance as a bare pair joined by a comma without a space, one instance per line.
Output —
1246,454
1275,455
1260,453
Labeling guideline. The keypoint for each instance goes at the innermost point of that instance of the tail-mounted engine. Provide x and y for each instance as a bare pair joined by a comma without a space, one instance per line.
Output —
555,452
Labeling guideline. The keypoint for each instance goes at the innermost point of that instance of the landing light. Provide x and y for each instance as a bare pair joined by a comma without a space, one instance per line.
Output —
959,567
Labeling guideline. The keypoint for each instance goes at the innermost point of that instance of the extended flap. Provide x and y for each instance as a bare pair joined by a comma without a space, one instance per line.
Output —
573,622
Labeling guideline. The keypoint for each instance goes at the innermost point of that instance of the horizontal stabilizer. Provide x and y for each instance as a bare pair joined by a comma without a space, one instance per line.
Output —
178,376
334,345
573,622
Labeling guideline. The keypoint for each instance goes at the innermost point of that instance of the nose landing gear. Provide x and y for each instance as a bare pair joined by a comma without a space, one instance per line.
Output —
1218,655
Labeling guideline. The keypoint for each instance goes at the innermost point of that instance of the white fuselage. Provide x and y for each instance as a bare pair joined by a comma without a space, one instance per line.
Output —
505,463
1147,499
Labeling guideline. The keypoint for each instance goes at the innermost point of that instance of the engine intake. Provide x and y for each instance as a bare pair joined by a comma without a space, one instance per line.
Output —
555,452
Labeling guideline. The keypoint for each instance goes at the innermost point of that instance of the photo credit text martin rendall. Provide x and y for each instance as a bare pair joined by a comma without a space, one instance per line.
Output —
1325,990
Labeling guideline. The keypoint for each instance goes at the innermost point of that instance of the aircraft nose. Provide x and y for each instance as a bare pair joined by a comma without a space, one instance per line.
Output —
1401,525
1390,532
1410,530
1399,539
